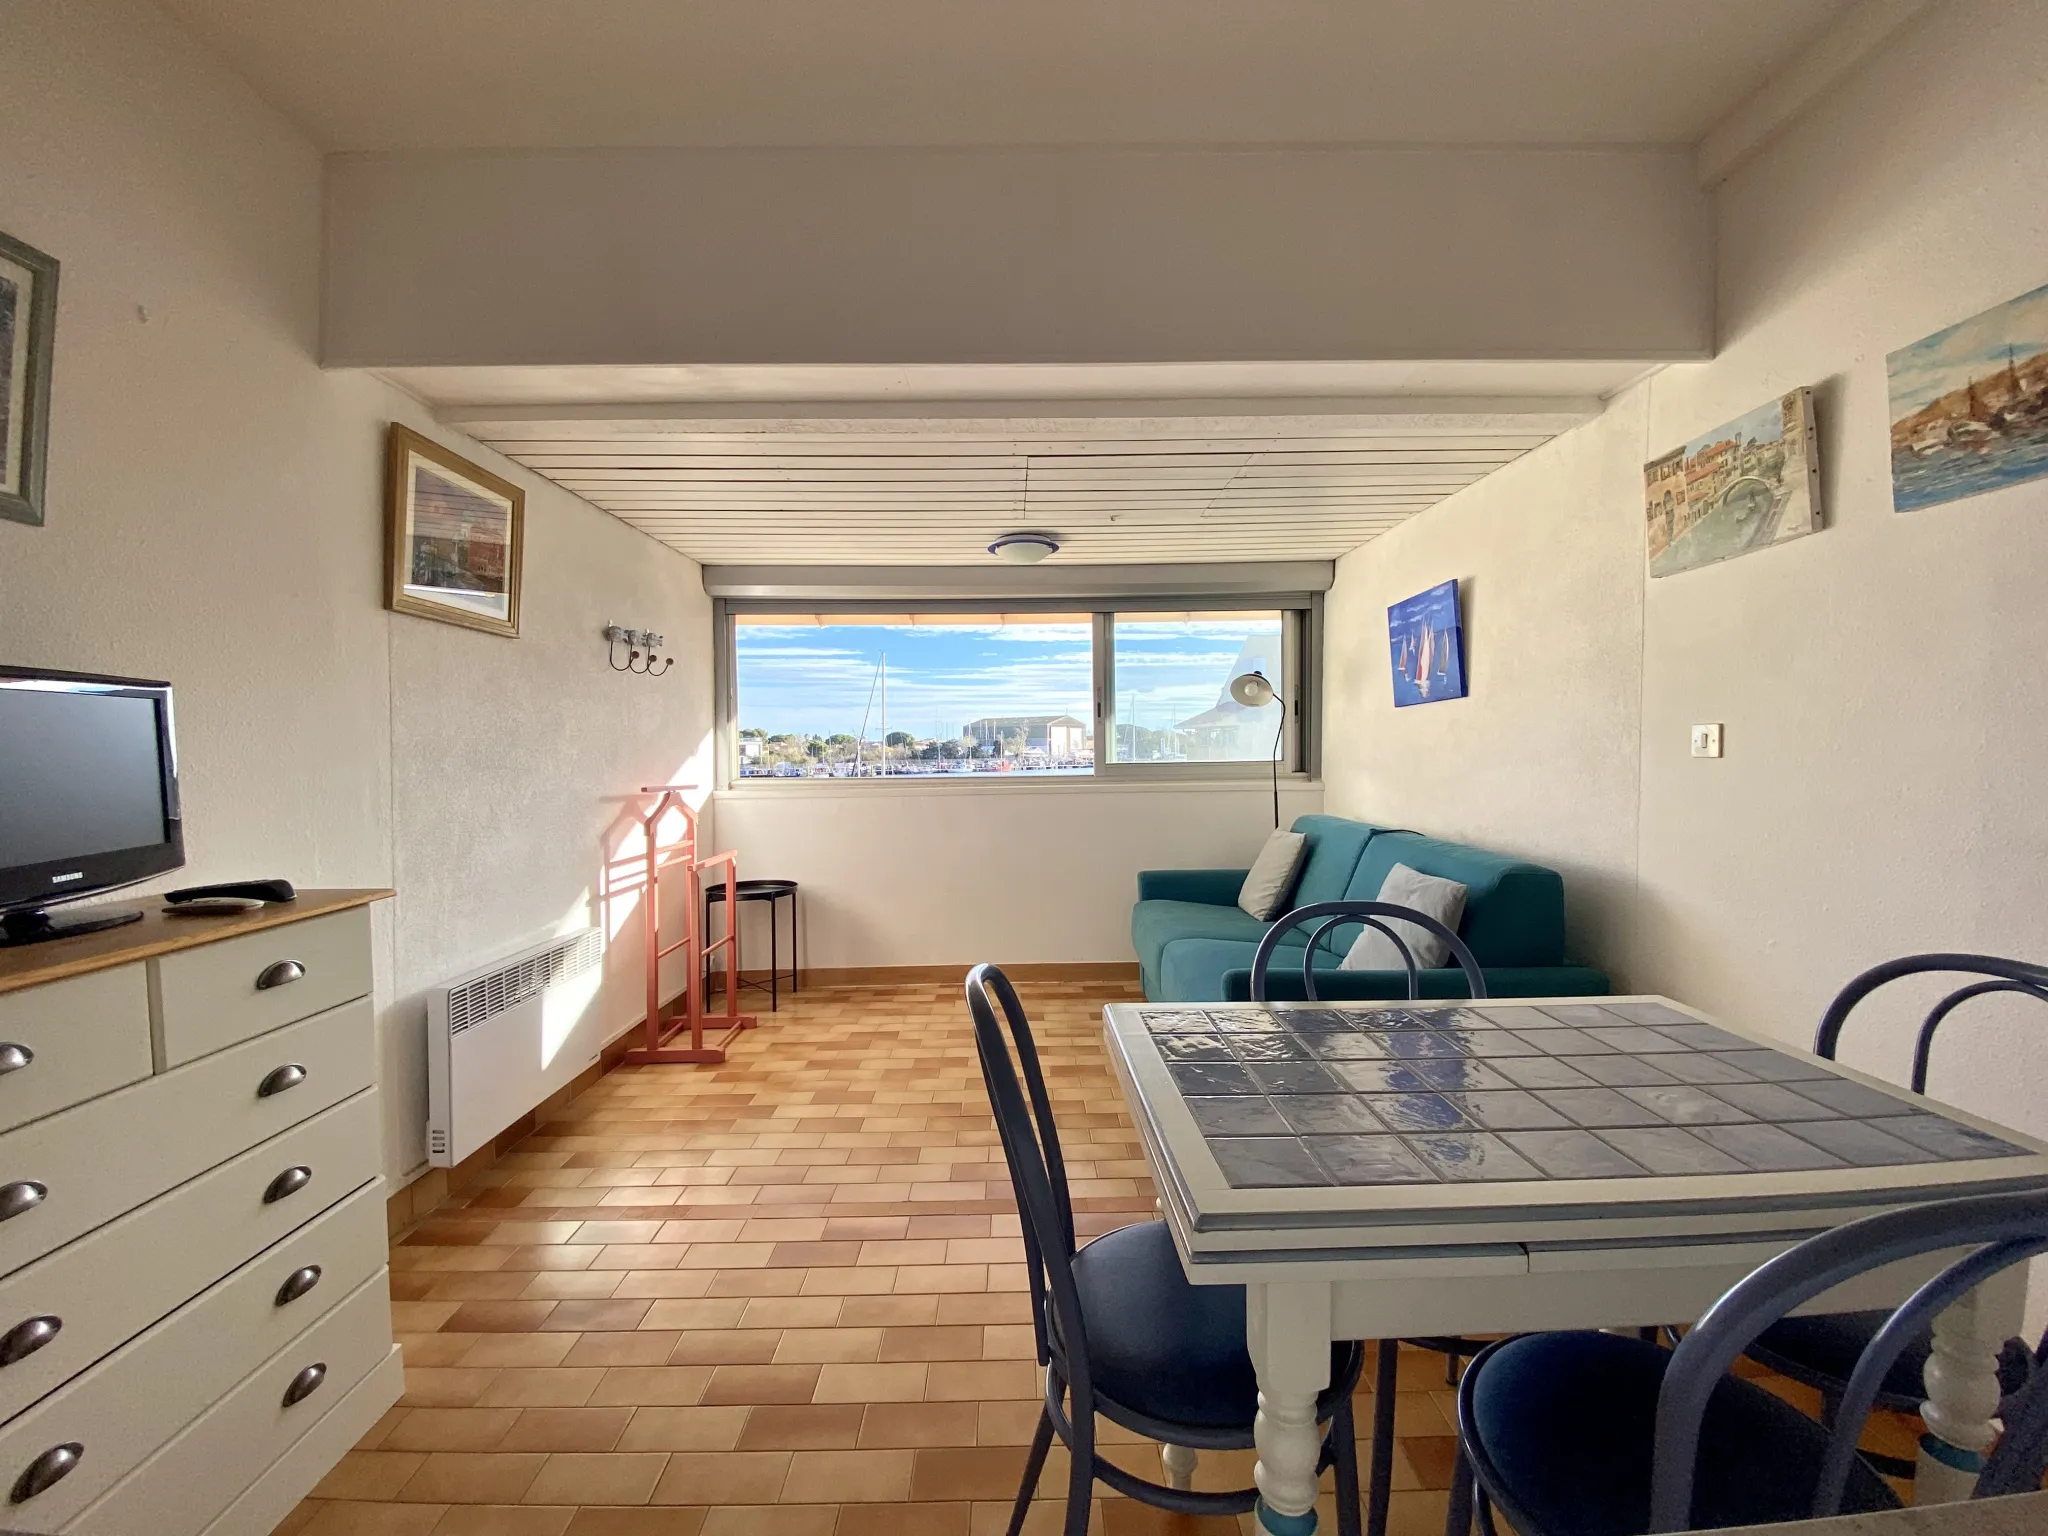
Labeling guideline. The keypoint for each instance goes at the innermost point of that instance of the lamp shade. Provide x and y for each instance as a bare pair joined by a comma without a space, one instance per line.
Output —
1252,690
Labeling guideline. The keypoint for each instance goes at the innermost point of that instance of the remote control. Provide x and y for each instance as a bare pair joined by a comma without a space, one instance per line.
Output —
248,890
214,906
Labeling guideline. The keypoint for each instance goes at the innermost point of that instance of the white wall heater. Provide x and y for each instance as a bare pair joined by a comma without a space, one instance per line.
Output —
503,1038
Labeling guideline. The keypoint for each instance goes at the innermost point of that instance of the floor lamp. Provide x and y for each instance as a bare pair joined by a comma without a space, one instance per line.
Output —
1253,691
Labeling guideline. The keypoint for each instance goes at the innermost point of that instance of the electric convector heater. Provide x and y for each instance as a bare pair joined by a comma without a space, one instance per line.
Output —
503,1038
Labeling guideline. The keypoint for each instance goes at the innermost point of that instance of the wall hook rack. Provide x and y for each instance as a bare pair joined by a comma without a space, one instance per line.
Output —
641,645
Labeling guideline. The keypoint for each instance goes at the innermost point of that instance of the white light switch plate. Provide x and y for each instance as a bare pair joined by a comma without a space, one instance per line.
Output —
1706,741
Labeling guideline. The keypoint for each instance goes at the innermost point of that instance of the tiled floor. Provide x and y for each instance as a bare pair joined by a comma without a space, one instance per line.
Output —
784,1297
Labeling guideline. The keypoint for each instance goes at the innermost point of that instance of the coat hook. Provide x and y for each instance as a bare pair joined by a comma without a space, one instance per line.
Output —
641,646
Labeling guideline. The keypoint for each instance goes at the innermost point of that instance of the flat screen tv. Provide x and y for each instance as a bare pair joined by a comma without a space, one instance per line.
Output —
88,797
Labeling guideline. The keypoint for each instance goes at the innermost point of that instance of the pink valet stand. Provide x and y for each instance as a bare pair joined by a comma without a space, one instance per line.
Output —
662,1042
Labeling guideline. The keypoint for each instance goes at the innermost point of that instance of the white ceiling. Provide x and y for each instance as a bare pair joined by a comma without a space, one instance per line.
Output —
447,74
904,490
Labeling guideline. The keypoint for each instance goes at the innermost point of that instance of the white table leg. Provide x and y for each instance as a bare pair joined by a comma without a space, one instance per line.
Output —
1179,1463
1288,1329
1961,1410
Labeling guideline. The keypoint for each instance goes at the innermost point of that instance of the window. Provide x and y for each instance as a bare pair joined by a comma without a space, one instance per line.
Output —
850,691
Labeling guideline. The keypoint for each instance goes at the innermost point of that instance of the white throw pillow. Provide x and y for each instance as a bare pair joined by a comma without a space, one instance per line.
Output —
1271,881
1443,900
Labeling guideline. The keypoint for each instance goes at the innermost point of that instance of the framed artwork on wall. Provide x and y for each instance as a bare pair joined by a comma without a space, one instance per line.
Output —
455,537
1969,406
1744,486
28,338
1427,639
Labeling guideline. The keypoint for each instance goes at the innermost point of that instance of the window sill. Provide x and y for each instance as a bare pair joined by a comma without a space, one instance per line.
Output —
1006,784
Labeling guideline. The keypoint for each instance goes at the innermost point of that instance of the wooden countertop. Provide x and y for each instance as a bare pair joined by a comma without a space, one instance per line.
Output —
160,934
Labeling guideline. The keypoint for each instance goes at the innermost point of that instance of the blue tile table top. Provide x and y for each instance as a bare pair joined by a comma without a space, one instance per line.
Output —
1305,1097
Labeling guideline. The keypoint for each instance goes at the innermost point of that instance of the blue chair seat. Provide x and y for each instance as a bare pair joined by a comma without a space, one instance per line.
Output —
1822,1351
1567,1421
1167,1349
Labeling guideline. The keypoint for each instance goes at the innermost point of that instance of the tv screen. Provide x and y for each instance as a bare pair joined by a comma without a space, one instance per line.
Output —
80,773
88,786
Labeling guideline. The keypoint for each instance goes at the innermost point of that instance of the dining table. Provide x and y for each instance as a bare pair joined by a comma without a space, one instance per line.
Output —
1411,1169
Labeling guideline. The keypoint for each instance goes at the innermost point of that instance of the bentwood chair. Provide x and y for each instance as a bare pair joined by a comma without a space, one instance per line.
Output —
1821,1351
1587,1434
1382,915
1121,1332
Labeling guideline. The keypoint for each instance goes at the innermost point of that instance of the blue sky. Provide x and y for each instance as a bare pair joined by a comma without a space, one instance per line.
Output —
1972,349
810,679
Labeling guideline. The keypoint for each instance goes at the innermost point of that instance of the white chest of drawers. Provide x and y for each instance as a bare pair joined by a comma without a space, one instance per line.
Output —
195,1315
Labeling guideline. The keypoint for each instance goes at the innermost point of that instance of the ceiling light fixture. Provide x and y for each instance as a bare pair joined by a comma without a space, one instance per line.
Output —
1024,548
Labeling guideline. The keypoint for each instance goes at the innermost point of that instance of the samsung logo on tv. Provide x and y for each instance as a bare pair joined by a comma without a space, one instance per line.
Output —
76,874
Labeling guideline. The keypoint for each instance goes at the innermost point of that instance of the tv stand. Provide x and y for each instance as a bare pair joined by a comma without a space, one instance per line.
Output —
40,924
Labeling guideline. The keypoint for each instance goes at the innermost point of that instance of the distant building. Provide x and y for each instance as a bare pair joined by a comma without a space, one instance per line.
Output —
1052,735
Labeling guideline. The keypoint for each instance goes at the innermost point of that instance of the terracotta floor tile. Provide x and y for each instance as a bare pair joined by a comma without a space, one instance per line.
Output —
467,1477
568,1429
636,1522
889,1311
791,1312
975,1381
687,1429
645,1347
727,1477
572,1284
820,1345
498,1317
435,1387
451,1429
904,1520
575,1478
559,1388
762,1384
962,1342
667,1386
802,1427
503,1520
338,1519
981,1472
902,1383
518,1349
777,1520
596,1316
911,1425
848,1477
370,1475
736,1346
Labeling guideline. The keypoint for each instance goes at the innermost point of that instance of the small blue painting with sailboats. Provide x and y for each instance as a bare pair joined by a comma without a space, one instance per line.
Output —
1428,643
1969,406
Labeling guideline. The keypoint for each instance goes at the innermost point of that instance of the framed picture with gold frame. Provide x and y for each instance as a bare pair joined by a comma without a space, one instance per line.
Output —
455,536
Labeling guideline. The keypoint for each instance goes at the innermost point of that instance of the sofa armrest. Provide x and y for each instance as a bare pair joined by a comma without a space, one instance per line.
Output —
1212,887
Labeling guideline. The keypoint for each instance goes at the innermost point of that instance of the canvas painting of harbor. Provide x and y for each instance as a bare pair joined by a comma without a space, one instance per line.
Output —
1428,645
1741,487
1969,406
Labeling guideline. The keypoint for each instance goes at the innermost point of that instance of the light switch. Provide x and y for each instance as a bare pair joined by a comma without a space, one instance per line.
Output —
1706,740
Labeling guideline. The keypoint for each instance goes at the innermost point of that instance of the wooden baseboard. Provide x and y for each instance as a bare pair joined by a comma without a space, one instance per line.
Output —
926,975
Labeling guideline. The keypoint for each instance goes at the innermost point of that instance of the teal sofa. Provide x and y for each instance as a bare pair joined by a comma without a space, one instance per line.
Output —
1195,944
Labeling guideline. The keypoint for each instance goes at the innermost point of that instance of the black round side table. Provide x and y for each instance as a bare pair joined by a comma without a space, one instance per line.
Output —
770,891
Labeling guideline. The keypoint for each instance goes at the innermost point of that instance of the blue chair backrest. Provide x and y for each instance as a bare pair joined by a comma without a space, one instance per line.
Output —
1038,1173
2004,1229
2019,976
1340,915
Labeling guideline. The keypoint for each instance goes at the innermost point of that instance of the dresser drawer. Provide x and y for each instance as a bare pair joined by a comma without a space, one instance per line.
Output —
118,1279
197,1475
68,1041
136,1399
216,995
106,1157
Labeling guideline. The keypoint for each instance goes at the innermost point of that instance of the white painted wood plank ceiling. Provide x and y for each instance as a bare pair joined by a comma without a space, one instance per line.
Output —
903,492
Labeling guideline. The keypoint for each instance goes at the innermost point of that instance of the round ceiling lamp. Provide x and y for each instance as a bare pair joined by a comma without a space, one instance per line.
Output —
1252,690
1024,548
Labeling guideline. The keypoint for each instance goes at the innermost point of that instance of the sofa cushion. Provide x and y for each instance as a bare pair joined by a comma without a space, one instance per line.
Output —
1443,900
1155,924
1334,846
1514,911
1273,873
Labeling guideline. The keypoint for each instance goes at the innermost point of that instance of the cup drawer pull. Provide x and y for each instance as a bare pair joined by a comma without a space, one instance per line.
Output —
290,1182
279,973
278,1079
306,1383
25,1338
22,1195
14,1057
46,1471
296,1284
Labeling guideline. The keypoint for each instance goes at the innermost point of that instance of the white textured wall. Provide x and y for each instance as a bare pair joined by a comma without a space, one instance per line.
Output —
1886,713
992,255
958,873
215,518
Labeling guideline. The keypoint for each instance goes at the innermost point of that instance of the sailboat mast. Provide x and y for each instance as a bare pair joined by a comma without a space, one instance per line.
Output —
885,714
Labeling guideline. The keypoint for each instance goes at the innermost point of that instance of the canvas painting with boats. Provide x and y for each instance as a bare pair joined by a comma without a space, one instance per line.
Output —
1969,406
1428,644
1742,487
